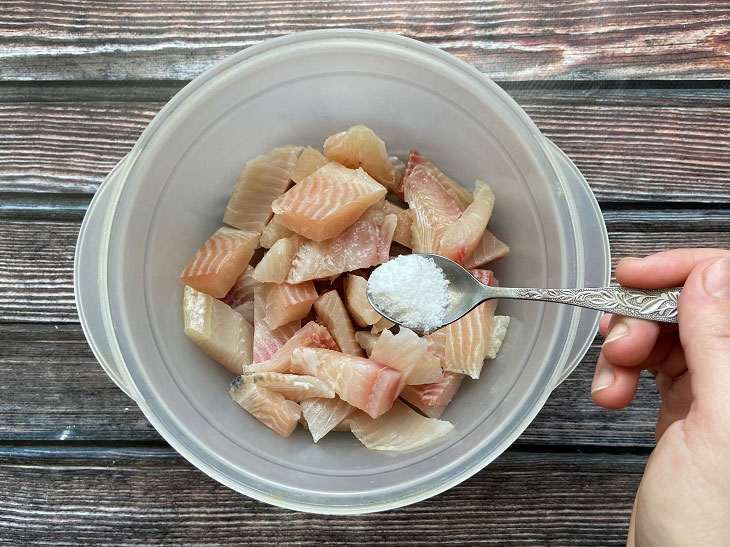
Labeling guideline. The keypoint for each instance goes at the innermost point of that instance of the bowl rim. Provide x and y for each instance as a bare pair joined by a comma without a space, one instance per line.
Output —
179,445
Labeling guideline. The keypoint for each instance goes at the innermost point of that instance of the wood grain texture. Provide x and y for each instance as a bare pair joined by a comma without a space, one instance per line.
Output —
150,495
509,39
630,145
53,389
36,263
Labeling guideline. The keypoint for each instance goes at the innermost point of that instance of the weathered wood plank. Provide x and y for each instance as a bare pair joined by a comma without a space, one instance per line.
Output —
511,40
133,496
53,389
36,264
628,149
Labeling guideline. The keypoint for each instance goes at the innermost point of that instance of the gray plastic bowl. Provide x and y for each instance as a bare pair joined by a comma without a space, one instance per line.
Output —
168,195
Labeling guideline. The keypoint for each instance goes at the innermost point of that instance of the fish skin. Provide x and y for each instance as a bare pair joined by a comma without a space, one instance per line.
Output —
432,210
311,335
295,387
357,303
286,303
331,312
461,238
489,249
326,202
359,146
273,232
458,193
268,407
216,265
363,383
264,179
218,330
398,430
308,162
266,342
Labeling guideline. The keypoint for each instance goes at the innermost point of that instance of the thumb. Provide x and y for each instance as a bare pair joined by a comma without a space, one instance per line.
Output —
704,327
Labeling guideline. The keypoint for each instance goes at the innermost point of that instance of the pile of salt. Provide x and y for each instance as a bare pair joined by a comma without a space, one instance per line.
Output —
411,289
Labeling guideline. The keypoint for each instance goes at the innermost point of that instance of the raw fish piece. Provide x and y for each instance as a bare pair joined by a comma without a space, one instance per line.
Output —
357,301
215,267
432,399
483,276
329,200
408,353
311,335
366,243
399,429
468,340
266,341
499,331
332,313
246,309
324,415
461,238
363,383
273,233
286,303
359,146
264,179
309,161
400,167
460,195
268,407
276,263
218,330
381,325
240,297
295,387
402,232
488,249
366,340
431,210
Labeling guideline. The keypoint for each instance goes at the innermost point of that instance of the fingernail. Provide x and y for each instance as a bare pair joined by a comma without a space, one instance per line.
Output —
604,378
619,330
630,258
717,279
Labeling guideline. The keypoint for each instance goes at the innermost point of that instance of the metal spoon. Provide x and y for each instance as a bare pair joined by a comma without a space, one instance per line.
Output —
466,293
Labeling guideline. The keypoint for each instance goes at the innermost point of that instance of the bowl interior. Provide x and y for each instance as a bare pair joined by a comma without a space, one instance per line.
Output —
298,93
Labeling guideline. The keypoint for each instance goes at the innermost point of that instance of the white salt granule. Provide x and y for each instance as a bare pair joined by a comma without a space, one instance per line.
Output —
411,289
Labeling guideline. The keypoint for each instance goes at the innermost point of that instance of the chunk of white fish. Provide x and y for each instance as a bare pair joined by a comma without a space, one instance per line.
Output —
398,430
218,330
324,415
295,387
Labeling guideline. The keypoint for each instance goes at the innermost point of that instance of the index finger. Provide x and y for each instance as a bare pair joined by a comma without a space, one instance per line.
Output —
664,269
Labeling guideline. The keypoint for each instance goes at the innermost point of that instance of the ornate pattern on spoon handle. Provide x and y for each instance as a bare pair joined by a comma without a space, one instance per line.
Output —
652,304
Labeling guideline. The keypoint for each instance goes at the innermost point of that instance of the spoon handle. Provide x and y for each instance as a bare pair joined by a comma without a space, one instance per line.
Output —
652,304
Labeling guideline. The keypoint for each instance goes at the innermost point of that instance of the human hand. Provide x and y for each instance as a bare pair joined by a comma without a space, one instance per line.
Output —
684,496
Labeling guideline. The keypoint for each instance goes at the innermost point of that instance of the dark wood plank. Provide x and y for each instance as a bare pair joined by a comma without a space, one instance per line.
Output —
53,389
36,263
509,40
627,149
134,496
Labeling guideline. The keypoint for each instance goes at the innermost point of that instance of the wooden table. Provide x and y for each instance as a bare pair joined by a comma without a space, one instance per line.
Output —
637,95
